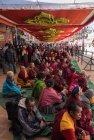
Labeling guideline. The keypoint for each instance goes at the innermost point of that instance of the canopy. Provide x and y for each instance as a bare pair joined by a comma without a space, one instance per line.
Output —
47,20
46,4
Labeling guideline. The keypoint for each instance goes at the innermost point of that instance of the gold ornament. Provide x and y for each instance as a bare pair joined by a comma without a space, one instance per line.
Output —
45,19
50,33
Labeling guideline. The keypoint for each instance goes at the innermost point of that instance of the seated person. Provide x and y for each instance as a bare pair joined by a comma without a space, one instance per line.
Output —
75,95
64,127
32,71
86,120
60,83
50,100
73,80
29,117
82,80
46,66
23,79
39,85
9,87
90,95
86,117
53,64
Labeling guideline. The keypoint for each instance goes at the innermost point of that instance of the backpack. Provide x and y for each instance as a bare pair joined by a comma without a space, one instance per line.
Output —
12,111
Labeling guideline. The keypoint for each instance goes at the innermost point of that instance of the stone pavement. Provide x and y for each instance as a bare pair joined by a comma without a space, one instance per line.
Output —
91,73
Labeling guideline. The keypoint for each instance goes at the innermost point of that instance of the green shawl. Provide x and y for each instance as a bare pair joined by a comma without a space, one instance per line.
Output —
36,91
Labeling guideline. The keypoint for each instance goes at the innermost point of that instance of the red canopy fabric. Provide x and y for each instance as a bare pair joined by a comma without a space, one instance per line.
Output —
48,25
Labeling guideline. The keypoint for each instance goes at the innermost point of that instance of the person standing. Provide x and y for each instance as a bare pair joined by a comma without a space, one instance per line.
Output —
2,60
10,55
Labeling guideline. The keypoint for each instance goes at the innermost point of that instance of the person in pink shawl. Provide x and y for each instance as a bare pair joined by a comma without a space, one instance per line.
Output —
50,100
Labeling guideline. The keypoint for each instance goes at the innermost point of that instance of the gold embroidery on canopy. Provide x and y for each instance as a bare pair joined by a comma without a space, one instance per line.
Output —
45,19
50,33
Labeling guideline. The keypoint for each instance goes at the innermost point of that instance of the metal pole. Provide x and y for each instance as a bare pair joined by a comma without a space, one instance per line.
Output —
16,35
82,47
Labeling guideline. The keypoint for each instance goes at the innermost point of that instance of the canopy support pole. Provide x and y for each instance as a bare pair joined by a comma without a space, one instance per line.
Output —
16,35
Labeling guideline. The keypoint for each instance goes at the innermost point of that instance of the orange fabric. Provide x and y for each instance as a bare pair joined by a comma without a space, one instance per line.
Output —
22,84
92,100
26,74
67,122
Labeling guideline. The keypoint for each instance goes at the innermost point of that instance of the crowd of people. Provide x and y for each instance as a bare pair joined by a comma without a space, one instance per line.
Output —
57,88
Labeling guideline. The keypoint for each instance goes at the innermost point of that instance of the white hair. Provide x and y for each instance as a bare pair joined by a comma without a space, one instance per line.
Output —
10,74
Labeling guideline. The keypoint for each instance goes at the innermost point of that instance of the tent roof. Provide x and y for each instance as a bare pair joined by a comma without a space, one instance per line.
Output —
46,20
45,4
47,1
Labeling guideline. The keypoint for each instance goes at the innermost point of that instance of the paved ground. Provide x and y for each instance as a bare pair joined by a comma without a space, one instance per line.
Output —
4,126
91,73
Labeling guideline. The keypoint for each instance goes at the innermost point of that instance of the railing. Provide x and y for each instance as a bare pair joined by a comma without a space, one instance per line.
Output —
85,56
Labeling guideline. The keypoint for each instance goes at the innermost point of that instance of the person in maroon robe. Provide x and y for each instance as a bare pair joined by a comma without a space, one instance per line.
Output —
82,81
42,65
75,95
64,126
68,74
85,120
46,66
53,64
73,80
23,79
29,50
64,54
32,71
60,83
24,57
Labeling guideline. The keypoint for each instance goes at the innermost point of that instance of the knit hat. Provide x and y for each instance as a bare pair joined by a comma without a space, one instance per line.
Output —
75,90
90,95
50,83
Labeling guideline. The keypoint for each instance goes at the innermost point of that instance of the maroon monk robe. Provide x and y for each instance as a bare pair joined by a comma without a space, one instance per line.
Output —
21,75
82,82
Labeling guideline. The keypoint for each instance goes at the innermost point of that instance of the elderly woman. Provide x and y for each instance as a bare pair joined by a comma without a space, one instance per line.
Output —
23,79
30,118
9,87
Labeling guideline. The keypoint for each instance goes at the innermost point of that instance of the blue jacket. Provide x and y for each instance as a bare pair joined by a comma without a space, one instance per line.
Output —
7,88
